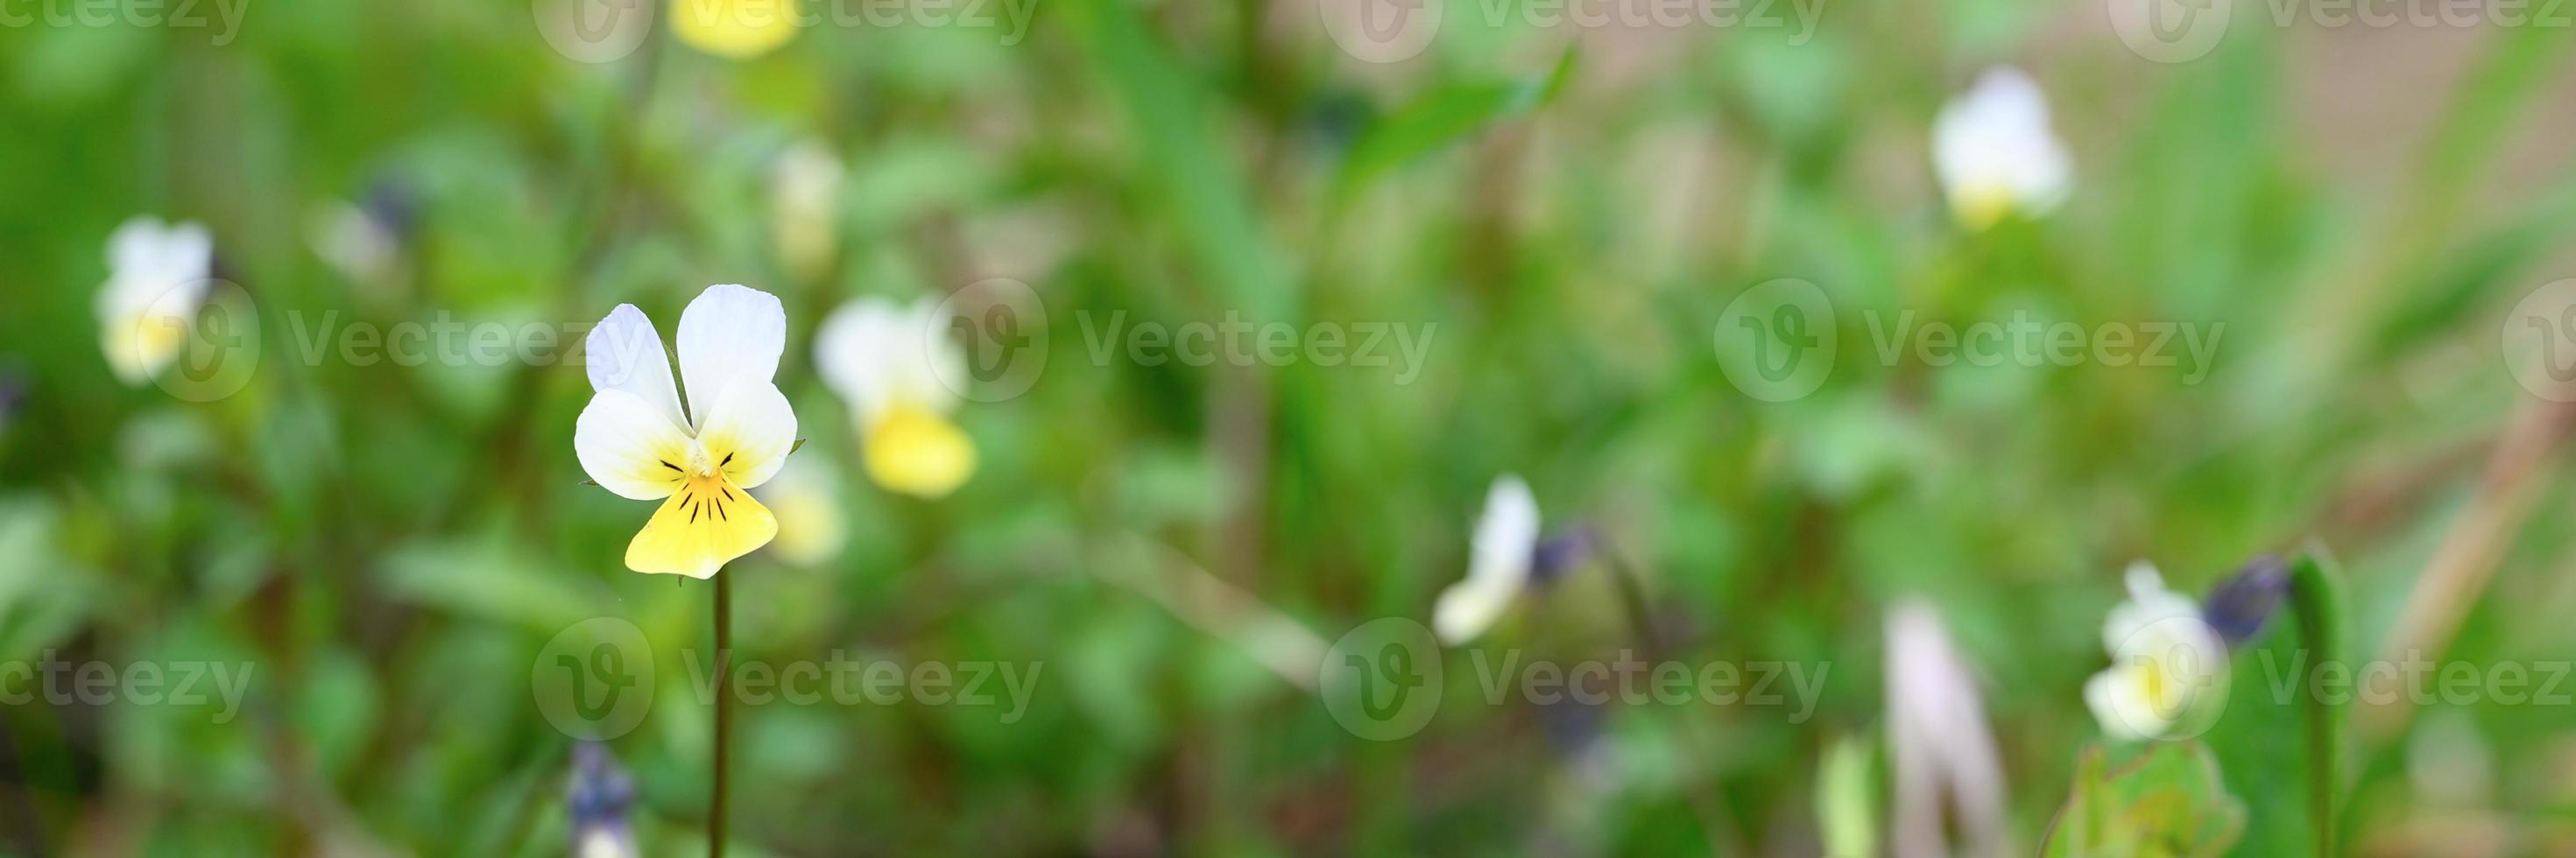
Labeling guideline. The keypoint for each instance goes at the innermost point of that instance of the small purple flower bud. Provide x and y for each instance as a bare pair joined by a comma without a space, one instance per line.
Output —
1558,555
2238,607
600,794
392,205
13,389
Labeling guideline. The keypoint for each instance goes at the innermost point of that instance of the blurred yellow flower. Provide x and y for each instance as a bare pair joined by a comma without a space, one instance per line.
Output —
894,366
734,29
808,508
1994,153
156,282
635,439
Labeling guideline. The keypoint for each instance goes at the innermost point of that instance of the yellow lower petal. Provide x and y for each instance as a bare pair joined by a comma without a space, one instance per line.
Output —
138,346
1982,205
734,29
916,451
701,528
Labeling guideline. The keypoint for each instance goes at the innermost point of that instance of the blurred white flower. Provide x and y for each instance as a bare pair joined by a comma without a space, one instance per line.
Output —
891,363
1498,565
2167,664
1942,748
805,198
807,502
351,241
635,439
1994,153
156,283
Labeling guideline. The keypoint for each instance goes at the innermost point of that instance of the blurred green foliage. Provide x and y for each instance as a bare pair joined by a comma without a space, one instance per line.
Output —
1566,213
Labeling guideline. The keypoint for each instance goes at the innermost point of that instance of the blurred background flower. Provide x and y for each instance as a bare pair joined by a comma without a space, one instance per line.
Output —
384,517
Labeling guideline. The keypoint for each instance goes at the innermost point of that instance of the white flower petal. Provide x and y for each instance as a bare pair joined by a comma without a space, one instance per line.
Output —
1506,535
624,352
2114,697
731,334
747,434
147,260
1467,608
629,447
2149,605
1995,139
880,355
1943,752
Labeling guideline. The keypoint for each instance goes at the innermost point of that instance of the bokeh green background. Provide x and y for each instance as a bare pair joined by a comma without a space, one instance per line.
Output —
1569,210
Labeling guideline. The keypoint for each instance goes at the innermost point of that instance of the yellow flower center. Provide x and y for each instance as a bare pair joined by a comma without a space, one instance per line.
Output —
703,525
1982,204
734,29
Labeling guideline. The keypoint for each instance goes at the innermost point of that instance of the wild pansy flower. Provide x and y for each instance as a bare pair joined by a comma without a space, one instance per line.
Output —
1500,557
734,29
805,197
808,509
1994,153
892,365
1943,753
156,283
635,439
2166,662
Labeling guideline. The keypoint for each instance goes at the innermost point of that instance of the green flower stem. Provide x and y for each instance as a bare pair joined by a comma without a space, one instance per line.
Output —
724,713
2316,595
1715,823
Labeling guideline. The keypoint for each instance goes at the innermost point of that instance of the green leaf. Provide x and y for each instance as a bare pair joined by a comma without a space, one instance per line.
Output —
1197,181
2280,736
2166,799
1448,114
